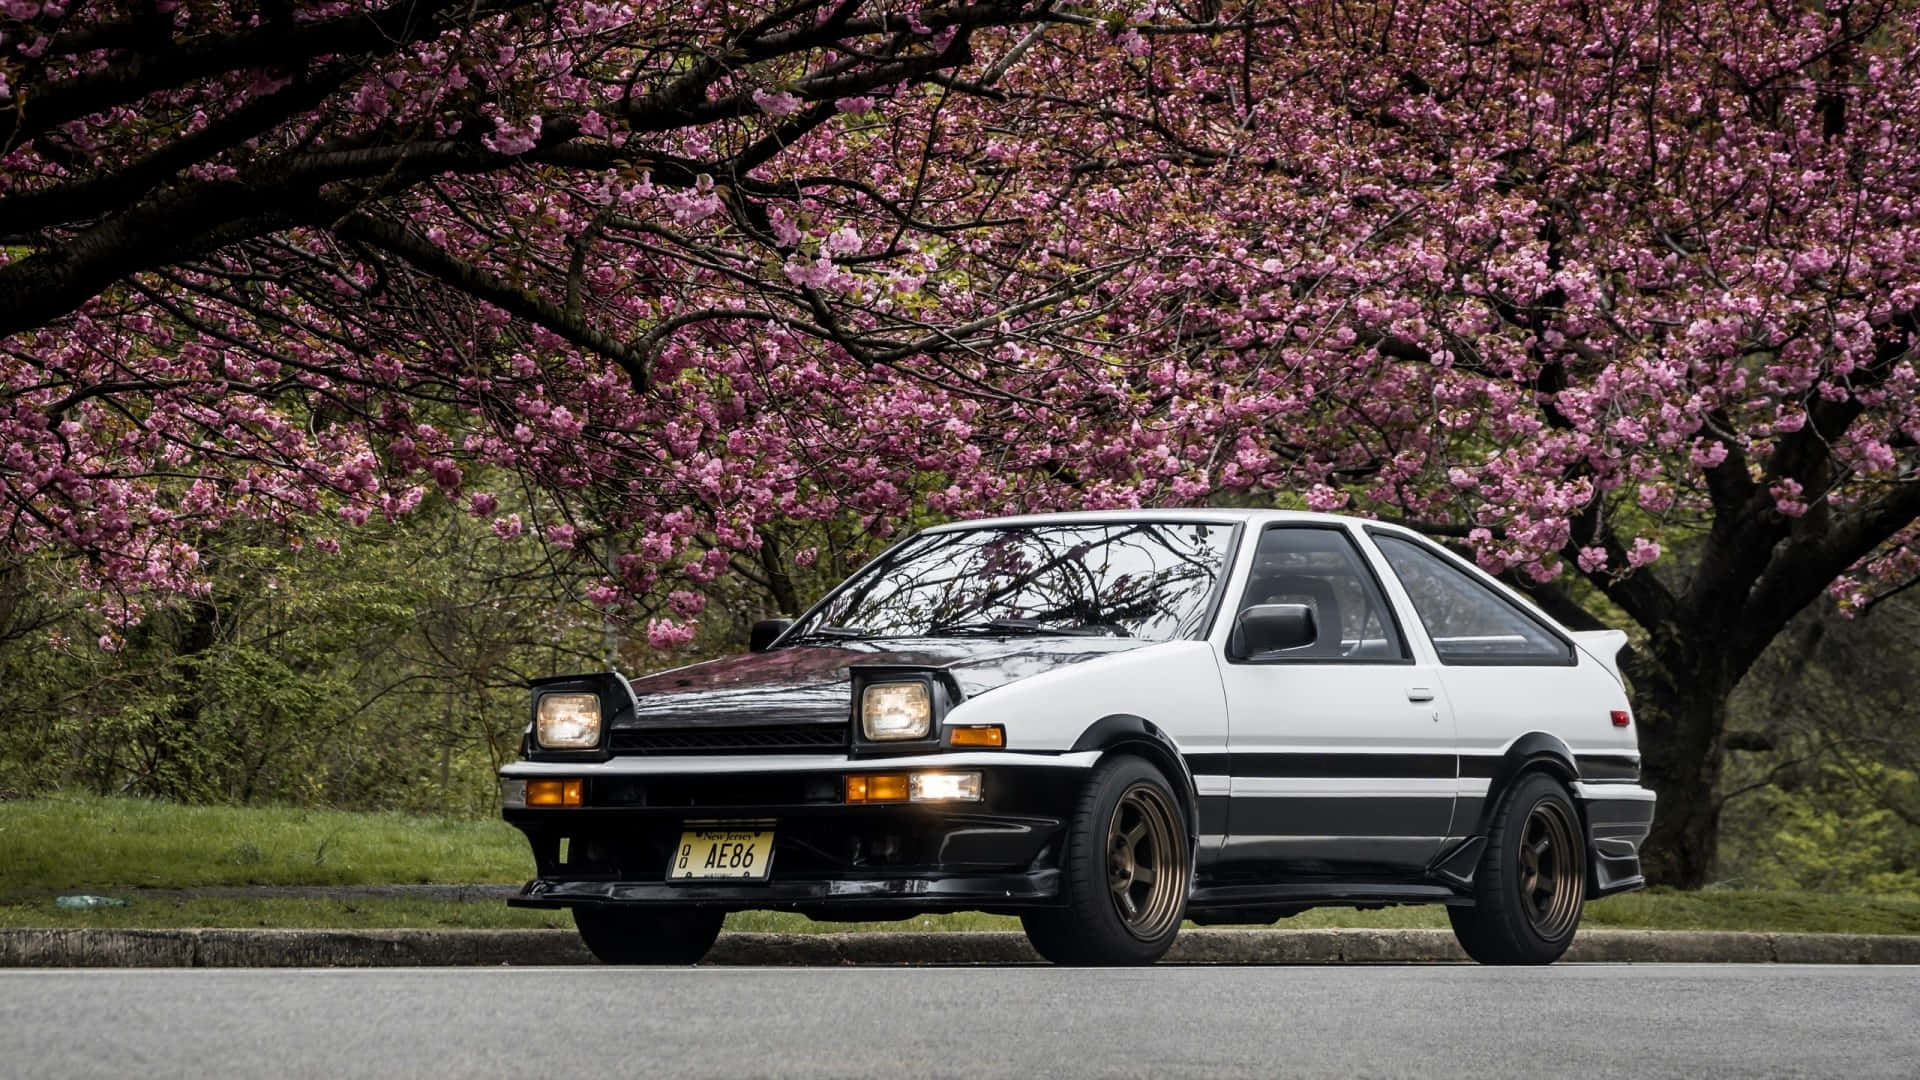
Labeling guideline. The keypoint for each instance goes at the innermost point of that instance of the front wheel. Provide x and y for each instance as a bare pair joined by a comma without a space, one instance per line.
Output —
1125,874
1531,885
648,936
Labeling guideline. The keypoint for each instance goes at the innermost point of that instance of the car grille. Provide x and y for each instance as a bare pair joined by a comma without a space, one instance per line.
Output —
763,739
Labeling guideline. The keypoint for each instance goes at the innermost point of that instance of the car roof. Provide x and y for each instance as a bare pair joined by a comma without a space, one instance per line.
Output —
1204,516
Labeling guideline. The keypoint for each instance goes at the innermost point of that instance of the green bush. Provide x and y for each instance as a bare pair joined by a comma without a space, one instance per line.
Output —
1835,833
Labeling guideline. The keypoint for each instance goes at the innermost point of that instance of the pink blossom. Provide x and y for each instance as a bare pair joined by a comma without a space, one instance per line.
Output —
1325,499
778,103
1644,551
667,634
512,139
843,241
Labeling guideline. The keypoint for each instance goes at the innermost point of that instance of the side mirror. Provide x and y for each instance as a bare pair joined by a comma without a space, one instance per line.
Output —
764,632
1270,628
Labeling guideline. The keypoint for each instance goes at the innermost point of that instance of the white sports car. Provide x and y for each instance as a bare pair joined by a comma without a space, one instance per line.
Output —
1104,723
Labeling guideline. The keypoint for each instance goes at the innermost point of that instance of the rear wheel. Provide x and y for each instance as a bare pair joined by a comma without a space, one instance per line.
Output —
648,936
1531,885
1126,871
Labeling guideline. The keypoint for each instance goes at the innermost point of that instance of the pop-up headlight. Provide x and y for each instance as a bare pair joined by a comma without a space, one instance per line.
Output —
568,721
892,711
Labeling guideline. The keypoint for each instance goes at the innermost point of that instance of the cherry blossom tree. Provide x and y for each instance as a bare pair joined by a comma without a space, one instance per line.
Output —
1619,296
302,257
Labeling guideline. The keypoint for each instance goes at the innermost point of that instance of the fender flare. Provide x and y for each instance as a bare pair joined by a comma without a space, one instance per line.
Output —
1536,751
1137,734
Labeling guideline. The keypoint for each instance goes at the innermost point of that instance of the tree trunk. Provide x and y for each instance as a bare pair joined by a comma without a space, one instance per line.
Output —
178,742
1681,731
779,581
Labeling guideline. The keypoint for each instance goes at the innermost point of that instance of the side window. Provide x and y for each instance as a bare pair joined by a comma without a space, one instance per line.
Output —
1468,622
1321,568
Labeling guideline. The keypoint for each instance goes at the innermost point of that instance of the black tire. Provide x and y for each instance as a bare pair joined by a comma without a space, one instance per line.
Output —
1126,821
648,936
1530,888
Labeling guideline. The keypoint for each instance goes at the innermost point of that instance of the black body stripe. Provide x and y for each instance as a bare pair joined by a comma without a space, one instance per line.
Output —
1619,812
1306,815
1605,767
1599,768
1309,764
1213,815
1208,764
1346,766
1480,766
1593,767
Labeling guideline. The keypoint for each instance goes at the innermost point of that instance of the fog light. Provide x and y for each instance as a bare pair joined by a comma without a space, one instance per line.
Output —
556,792
877,787
944,787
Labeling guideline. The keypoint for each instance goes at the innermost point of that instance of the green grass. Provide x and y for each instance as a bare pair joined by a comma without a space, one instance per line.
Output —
1710,910
249,913
84,842
116,847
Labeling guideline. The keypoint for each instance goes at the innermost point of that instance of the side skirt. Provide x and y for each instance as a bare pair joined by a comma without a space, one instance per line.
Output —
1266,902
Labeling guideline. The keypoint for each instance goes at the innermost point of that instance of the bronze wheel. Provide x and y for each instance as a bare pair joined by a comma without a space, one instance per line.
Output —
1140,841
1549,877
1531,884
1123,873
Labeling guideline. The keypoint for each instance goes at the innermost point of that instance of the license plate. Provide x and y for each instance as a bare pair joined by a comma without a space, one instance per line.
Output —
734,854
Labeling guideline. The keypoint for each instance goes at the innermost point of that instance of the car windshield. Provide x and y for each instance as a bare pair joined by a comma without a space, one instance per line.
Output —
1142,579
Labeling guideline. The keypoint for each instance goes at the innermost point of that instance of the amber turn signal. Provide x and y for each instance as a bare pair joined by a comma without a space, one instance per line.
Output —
556,792
877,787
979,736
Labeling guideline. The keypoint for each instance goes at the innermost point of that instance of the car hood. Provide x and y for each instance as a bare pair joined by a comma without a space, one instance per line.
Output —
813,684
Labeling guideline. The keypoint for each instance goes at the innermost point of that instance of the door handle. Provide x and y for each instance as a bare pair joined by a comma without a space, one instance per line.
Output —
1419,693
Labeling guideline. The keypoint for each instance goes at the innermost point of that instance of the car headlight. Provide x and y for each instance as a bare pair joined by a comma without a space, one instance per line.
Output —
568,721
893,711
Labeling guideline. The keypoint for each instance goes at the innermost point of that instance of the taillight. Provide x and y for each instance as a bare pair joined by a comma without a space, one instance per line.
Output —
1620,718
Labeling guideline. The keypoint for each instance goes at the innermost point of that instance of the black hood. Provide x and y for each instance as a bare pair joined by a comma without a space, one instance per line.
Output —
812,684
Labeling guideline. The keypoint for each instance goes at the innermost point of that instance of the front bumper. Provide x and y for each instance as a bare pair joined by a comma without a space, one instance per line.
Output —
831,859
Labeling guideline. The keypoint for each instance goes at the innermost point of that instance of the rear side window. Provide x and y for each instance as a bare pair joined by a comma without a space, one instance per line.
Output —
1468,622
1321,568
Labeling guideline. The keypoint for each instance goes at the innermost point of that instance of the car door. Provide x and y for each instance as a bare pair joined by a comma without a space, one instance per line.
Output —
1341,755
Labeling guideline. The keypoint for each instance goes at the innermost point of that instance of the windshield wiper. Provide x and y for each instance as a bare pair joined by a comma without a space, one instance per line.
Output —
837,633
1026,627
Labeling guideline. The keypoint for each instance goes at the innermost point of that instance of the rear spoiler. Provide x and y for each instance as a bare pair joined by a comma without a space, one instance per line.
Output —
1604,646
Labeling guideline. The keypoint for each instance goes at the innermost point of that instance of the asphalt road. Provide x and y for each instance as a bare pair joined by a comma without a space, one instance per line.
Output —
1601,1021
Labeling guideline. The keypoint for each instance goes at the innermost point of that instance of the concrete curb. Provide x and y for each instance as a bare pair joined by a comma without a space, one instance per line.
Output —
488,948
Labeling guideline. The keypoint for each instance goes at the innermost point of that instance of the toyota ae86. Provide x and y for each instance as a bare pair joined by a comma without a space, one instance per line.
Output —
1105,724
